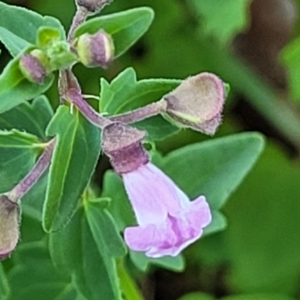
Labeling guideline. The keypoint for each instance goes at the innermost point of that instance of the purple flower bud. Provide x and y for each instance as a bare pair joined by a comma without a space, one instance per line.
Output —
9,226
197,103
122,144
95,50
93,6
33,66
167,221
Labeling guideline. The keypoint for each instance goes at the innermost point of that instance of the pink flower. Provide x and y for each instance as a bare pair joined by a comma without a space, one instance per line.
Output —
167,220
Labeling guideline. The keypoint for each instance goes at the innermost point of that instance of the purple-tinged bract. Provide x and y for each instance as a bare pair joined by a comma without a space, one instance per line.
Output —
197,103
9,226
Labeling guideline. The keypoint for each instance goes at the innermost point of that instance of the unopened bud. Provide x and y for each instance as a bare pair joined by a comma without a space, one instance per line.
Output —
92,6
9,226
122,144
33,66
95,50
197,103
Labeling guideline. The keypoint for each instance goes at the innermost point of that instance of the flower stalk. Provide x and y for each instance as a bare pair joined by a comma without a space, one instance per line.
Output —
142,113
79,17
75,97
93,6
32,177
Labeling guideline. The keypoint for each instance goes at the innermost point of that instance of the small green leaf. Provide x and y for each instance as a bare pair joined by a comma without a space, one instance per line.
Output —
218,223
58,51
16,89
125,93
120,206
112,91
18,139
46,36
74,160
30,117
94,270
4,287
18,154
157,128
218,166
60,55
125,27
168,262
18,33
104,229
115,99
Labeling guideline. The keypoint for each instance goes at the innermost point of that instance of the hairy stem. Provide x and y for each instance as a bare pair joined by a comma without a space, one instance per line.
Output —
142,113
32,177
93,116
79,17
70,90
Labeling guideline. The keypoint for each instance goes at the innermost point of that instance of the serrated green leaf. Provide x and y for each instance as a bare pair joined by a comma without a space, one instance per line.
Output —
125,27
214,168
94,271
17,33
16,89
125,93
74,160
4,287
104,229
30,117
18,154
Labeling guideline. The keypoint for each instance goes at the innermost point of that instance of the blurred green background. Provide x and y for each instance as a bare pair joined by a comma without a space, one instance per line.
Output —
254,46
